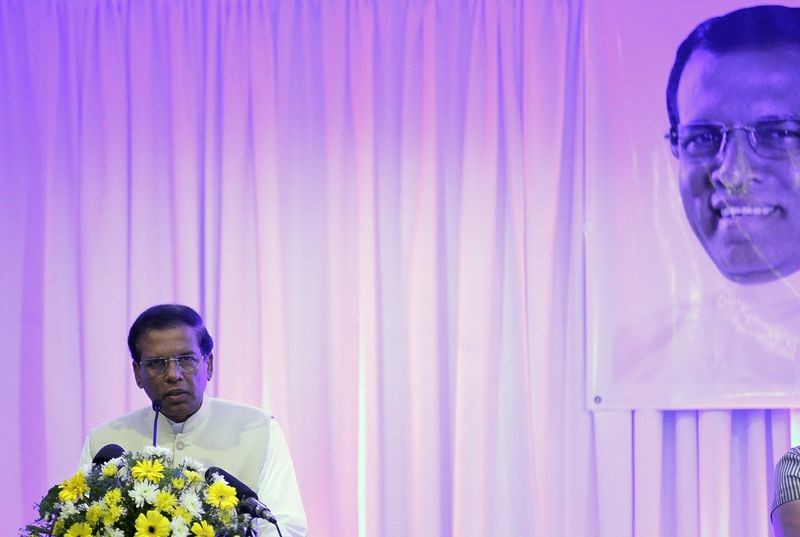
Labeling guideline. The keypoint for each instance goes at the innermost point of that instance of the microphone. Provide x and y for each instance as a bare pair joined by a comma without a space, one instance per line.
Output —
157,409
106,453
248,500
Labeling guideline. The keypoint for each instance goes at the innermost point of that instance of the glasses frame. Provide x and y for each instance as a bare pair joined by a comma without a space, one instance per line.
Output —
170,359
674,140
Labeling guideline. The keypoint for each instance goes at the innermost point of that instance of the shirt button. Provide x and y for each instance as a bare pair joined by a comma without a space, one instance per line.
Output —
180,445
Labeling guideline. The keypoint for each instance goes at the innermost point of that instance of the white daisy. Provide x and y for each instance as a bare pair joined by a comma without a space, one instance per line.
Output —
113,532
122,472
193,464
157,451
143,491
68,509
178,527
191,502
217,478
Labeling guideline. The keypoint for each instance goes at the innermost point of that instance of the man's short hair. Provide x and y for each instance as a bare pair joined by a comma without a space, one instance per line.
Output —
165,316
750,27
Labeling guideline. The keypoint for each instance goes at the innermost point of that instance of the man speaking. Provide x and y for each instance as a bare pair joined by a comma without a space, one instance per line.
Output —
173,362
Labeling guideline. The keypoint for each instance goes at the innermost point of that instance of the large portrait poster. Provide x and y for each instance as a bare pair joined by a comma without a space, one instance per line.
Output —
693,258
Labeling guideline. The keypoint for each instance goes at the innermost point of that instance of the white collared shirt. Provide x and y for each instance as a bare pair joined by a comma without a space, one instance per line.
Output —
240,439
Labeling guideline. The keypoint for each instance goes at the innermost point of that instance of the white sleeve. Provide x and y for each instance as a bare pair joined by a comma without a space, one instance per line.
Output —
277,488
86,454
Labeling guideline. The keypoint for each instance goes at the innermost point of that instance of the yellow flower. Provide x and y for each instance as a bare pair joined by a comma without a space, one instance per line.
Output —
202,529
166,502
153,525
193,476
221,495
112,514
113,496
151,470
58,527
226,516
178,483
93,513
110,470
183,513
79,529
73,488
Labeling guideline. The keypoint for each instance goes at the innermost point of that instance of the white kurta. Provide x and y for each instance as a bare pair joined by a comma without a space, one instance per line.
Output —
240,439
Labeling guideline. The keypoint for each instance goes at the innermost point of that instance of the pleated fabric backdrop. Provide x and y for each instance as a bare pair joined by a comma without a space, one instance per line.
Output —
378,208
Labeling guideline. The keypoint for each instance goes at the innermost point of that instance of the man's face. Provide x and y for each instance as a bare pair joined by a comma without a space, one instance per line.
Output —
744,208
181,393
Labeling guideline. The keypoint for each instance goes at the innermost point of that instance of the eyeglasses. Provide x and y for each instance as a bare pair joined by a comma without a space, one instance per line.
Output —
188,363
774,139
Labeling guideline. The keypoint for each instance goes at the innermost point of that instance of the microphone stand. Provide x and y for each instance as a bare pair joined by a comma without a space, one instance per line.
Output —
157,409
250,532
247,498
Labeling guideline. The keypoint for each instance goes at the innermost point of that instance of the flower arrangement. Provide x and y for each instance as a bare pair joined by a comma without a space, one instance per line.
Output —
140,494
